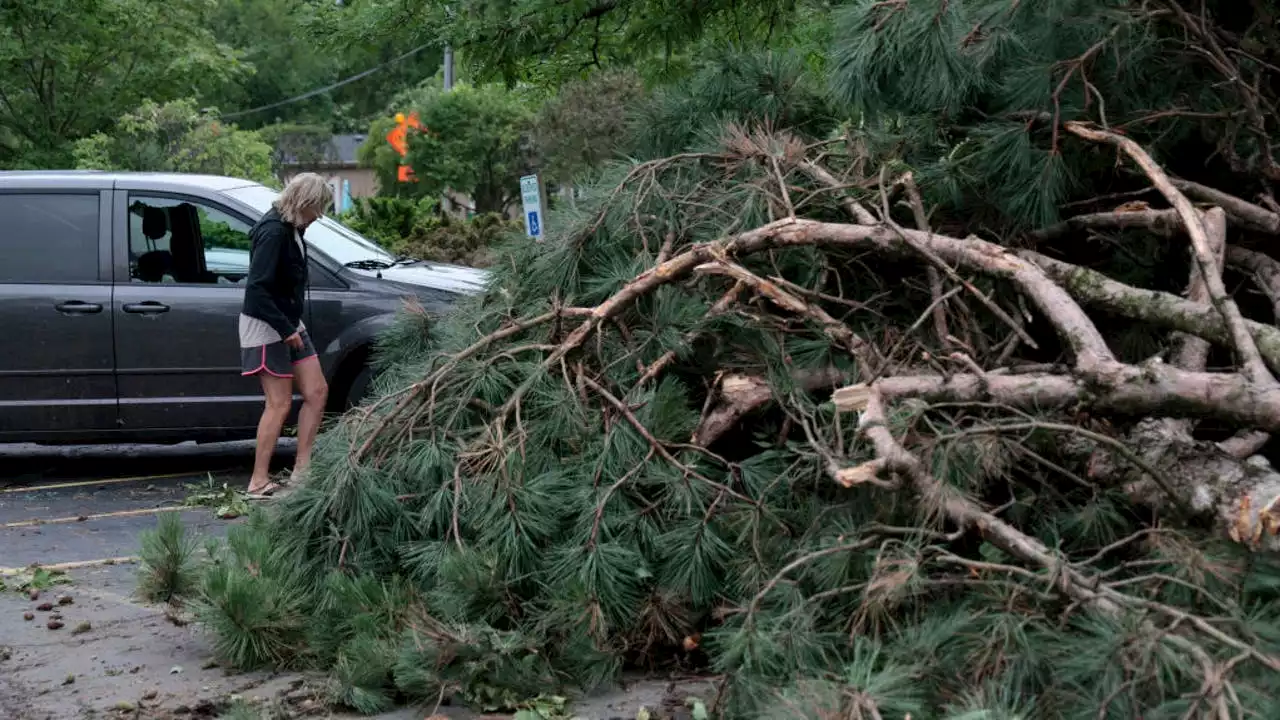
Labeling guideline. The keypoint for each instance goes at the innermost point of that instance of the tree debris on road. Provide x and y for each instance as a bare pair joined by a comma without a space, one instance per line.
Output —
814,416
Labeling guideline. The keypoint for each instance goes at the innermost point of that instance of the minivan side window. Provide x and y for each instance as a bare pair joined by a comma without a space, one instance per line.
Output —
185,241
49,237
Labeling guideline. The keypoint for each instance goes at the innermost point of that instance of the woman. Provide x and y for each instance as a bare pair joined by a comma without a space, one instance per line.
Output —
274,344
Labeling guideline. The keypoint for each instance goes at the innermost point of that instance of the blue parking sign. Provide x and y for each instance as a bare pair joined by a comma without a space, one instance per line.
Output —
534,230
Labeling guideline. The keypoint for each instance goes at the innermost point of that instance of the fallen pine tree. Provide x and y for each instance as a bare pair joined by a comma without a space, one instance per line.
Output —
756,412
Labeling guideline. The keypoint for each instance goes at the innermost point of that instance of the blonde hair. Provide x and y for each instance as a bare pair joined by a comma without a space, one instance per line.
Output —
305,191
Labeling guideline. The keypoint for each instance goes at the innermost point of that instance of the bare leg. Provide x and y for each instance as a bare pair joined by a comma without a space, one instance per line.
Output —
279,393
315,392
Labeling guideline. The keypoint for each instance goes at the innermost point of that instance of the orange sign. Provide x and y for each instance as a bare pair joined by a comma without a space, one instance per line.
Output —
399,140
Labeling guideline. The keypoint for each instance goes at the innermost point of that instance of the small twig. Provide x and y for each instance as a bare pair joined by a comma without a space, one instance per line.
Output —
893,351
782,185
1120,543
1114,444
836,330
801,561
855,209
457,496
935,280
718,308
951,273
656,444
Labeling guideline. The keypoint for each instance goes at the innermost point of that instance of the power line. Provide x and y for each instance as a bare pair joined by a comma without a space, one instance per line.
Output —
327,88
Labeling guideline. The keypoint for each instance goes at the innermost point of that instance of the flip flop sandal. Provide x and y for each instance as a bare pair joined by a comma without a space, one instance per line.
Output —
269,490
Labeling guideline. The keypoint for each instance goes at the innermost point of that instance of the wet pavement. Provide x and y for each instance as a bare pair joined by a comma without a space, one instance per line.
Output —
71,522
114,656
84,514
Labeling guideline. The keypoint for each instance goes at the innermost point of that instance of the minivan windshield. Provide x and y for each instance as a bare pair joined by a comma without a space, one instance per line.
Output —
326,235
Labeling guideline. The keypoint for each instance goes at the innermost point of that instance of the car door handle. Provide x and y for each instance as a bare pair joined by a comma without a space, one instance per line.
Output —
150,307
76,307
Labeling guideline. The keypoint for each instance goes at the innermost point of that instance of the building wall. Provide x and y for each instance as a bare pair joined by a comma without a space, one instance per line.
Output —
363,181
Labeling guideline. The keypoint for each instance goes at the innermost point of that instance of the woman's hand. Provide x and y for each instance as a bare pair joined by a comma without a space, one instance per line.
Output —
294,341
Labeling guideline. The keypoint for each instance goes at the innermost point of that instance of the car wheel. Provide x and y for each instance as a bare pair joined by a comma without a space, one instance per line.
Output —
360,386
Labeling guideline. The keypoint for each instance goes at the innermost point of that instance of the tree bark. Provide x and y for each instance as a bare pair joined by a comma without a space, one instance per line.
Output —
1094,289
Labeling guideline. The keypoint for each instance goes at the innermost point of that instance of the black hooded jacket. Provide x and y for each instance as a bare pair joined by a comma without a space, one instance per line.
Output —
275,290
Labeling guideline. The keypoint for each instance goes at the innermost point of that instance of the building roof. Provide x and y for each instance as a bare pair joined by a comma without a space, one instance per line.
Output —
339,151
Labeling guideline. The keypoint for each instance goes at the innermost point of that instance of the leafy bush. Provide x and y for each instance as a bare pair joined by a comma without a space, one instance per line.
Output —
416,228
474,140
177,137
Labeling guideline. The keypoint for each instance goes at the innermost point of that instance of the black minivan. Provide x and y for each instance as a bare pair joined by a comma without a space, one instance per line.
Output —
119,299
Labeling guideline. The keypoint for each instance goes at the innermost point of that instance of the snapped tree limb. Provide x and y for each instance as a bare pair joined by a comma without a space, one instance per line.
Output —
1203,247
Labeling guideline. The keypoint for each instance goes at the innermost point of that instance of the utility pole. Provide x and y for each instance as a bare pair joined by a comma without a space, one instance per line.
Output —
448,54
448,67
445,202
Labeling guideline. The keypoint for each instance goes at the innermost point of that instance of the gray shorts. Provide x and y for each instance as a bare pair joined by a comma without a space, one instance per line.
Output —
275,358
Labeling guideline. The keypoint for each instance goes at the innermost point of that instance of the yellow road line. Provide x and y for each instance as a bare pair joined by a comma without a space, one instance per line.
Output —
96,516
107,481
127,559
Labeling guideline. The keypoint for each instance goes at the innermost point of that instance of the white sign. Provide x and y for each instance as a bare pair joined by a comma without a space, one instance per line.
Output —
534,210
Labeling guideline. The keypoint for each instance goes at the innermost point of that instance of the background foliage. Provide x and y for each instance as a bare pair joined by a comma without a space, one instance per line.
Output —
176,137
416,228
70,68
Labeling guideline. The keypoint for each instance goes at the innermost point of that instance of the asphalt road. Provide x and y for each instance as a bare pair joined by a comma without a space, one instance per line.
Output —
57,510
85,510
85,504
81,509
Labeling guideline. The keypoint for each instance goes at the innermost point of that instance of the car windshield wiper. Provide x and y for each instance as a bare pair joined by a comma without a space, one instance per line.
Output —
370,264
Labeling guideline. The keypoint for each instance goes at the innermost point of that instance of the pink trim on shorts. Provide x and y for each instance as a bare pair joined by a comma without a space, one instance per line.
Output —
263,367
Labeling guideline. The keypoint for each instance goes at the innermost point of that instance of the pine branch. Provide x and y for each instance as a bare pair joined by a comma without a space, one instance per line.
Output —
1254,368
1082,588
409,394
1161,222
839,333
1161,309
1246,213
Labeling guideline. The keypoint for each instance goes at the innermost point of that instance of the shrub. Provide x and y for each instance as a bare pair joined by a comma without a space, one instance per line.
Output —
416,228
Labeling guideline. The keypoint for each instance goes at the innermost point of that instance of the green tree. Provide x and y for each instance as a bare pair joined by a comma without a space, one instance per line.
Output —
69,68
296,46
586,123
176,137
302,143
475,140
548,41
